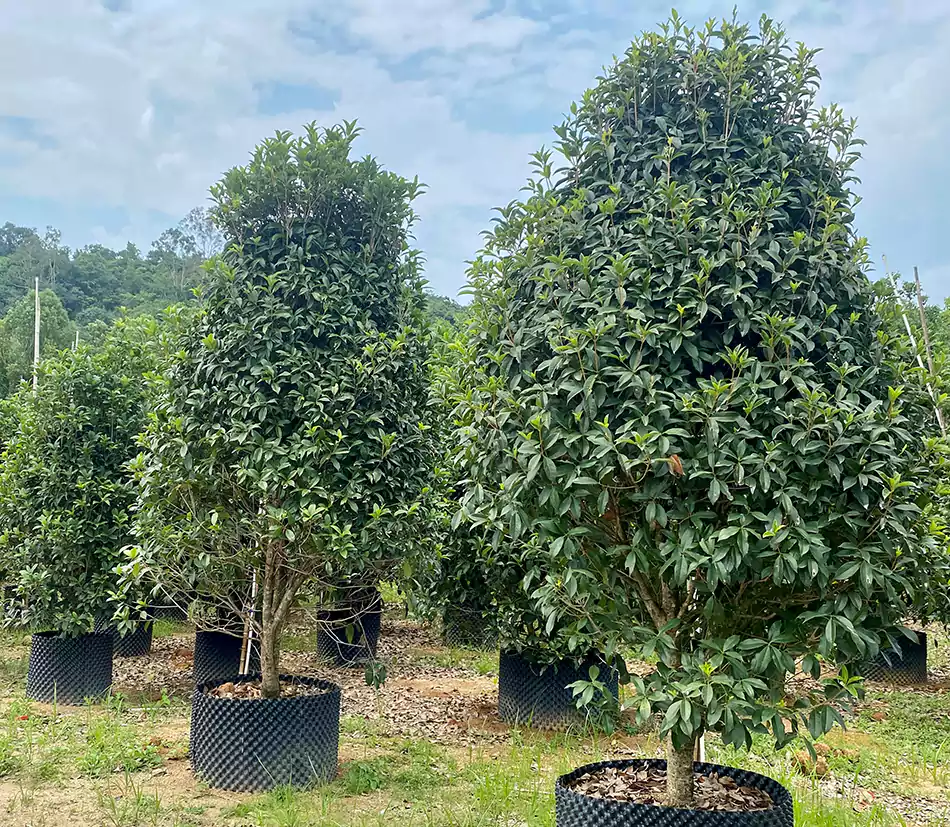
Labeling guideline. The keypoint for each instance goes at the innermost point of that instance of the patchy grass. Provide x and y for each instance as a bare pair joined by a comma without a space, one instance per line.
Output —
478,661
115,764
170,628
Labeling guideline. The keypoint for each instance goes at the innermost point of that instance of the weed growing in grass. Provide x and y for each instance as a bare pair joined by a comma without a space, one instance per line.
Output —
128,805
111,744
285,807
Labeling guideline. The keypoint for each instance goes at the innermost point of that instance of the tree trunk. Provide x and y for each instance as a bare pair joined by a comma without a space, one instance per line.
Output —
679,774
270,627
270,661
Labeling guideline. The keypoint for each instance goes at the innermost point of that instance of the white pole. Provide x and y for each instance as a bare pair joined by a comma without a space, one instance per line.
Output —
250,623
76,343
36,336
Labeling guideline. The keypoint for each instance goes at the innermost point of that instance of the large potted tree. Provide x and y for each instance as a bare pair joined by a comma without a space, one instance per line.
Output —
284,440
687,402
65,503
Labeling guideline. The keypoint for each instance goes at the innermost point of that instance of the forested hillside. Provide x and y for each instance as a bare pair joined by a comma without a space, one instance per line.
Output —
94,283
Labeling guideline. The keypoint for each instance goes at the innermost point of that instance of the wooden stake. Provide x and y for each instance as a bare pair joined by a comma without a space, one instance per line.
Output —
913,342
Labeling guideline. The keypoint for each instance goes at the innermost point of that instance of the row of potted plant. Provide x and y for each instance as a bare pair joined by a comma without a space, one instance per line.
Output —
679,426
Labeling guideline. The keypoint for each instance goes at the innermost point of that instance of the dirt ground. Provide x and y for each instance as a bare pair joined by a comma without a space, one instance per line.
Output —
429,740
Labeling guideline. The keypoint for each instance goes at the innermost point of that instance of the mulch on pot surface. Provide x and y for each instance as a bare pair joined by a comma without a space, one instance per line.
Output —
251,690
647,785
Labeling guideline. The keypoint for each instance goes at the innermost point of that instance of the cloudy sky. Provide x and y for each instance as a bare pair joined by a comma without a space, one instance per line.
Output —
116,115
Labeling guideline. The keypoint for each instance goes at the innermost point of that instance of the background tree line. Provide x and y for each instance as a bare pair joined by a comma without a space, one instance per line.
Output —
83,288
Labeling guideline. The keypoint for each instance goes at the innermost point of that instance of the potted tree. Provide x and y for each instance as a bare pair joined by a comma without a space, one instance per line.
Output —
540,671
283,442
448,580
688,403
548,678
65,500
902,660
348,631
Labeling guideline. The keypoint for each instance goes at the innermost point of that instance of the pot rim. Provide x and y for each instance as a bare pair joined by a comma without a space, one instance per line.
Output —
782,797
331,688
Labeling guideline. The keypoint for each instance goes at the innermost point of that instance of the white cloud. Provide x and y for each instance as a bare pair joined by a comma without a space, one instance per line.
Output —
148,106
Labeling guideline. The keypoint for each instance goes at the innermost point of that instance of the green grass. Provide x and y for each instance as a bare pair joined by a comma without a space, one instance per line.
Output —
898,745
482,663
170,628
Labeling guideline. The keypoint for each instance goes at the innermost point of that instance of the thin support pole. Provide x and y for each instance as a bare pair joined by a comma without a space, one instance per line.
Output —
926,331
913,342
249,625
36,335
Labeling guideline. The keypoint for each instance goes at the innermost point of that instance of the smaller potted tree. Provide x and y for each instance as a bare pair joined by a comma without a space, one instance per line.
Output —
348,631
547,679
65,501
283,443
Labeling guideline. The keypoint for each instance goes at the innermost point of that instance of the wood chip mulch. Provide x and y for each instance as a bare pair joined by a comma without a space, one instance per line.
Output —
251,690
648,786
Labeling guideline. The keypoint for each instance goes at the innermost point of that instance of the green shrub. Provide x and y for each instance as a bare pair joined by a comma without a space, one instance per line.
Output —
65,494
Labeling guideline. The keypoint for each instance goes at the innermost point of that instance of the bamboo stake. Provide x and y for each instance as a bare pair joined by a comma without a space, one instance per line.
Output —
249,627
913,342
926,331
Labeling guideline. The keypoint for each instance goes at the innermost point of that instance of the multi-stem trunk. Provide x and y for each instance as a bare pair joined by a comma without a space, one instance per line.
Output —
679,774
278,593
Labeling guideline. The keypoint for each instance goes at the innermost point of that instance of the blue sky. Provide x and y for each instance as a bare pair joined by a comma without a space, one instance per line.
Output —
117,115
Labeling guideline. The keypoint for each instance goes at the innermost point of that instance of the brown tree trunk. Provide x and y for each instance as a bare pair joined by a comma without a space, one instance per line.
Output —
270,628
679,774
270,662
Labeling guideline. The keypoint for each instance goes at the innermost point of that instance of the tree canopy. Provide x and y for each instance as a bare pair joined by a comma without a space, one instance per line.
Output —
685,395
287,438
65,492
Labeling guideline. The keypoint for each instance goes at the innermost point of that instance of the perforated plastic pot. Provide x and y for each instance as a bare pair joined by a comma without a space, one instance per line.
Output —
218,656
69,670
349,634
259,744
135,644
538,696
904,667
468,628
576,810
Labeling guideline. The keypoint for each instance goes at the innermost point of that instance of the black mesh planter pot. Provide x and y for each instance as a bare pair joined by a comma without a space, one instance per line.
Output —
134,644
576,810
69,670
469,629
250,745
218,656
538,696
349,634
906,667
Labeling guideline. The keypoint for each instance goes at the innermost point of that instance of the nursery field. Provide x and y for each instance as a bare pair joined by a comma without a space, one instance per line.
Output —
426,749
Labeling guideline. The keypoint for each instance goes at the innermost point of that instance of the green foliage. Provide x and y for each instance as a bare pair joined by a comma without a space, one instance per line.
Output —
16,337
684,404
65,493
929,572
449,570
287,437
94,282
445,310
